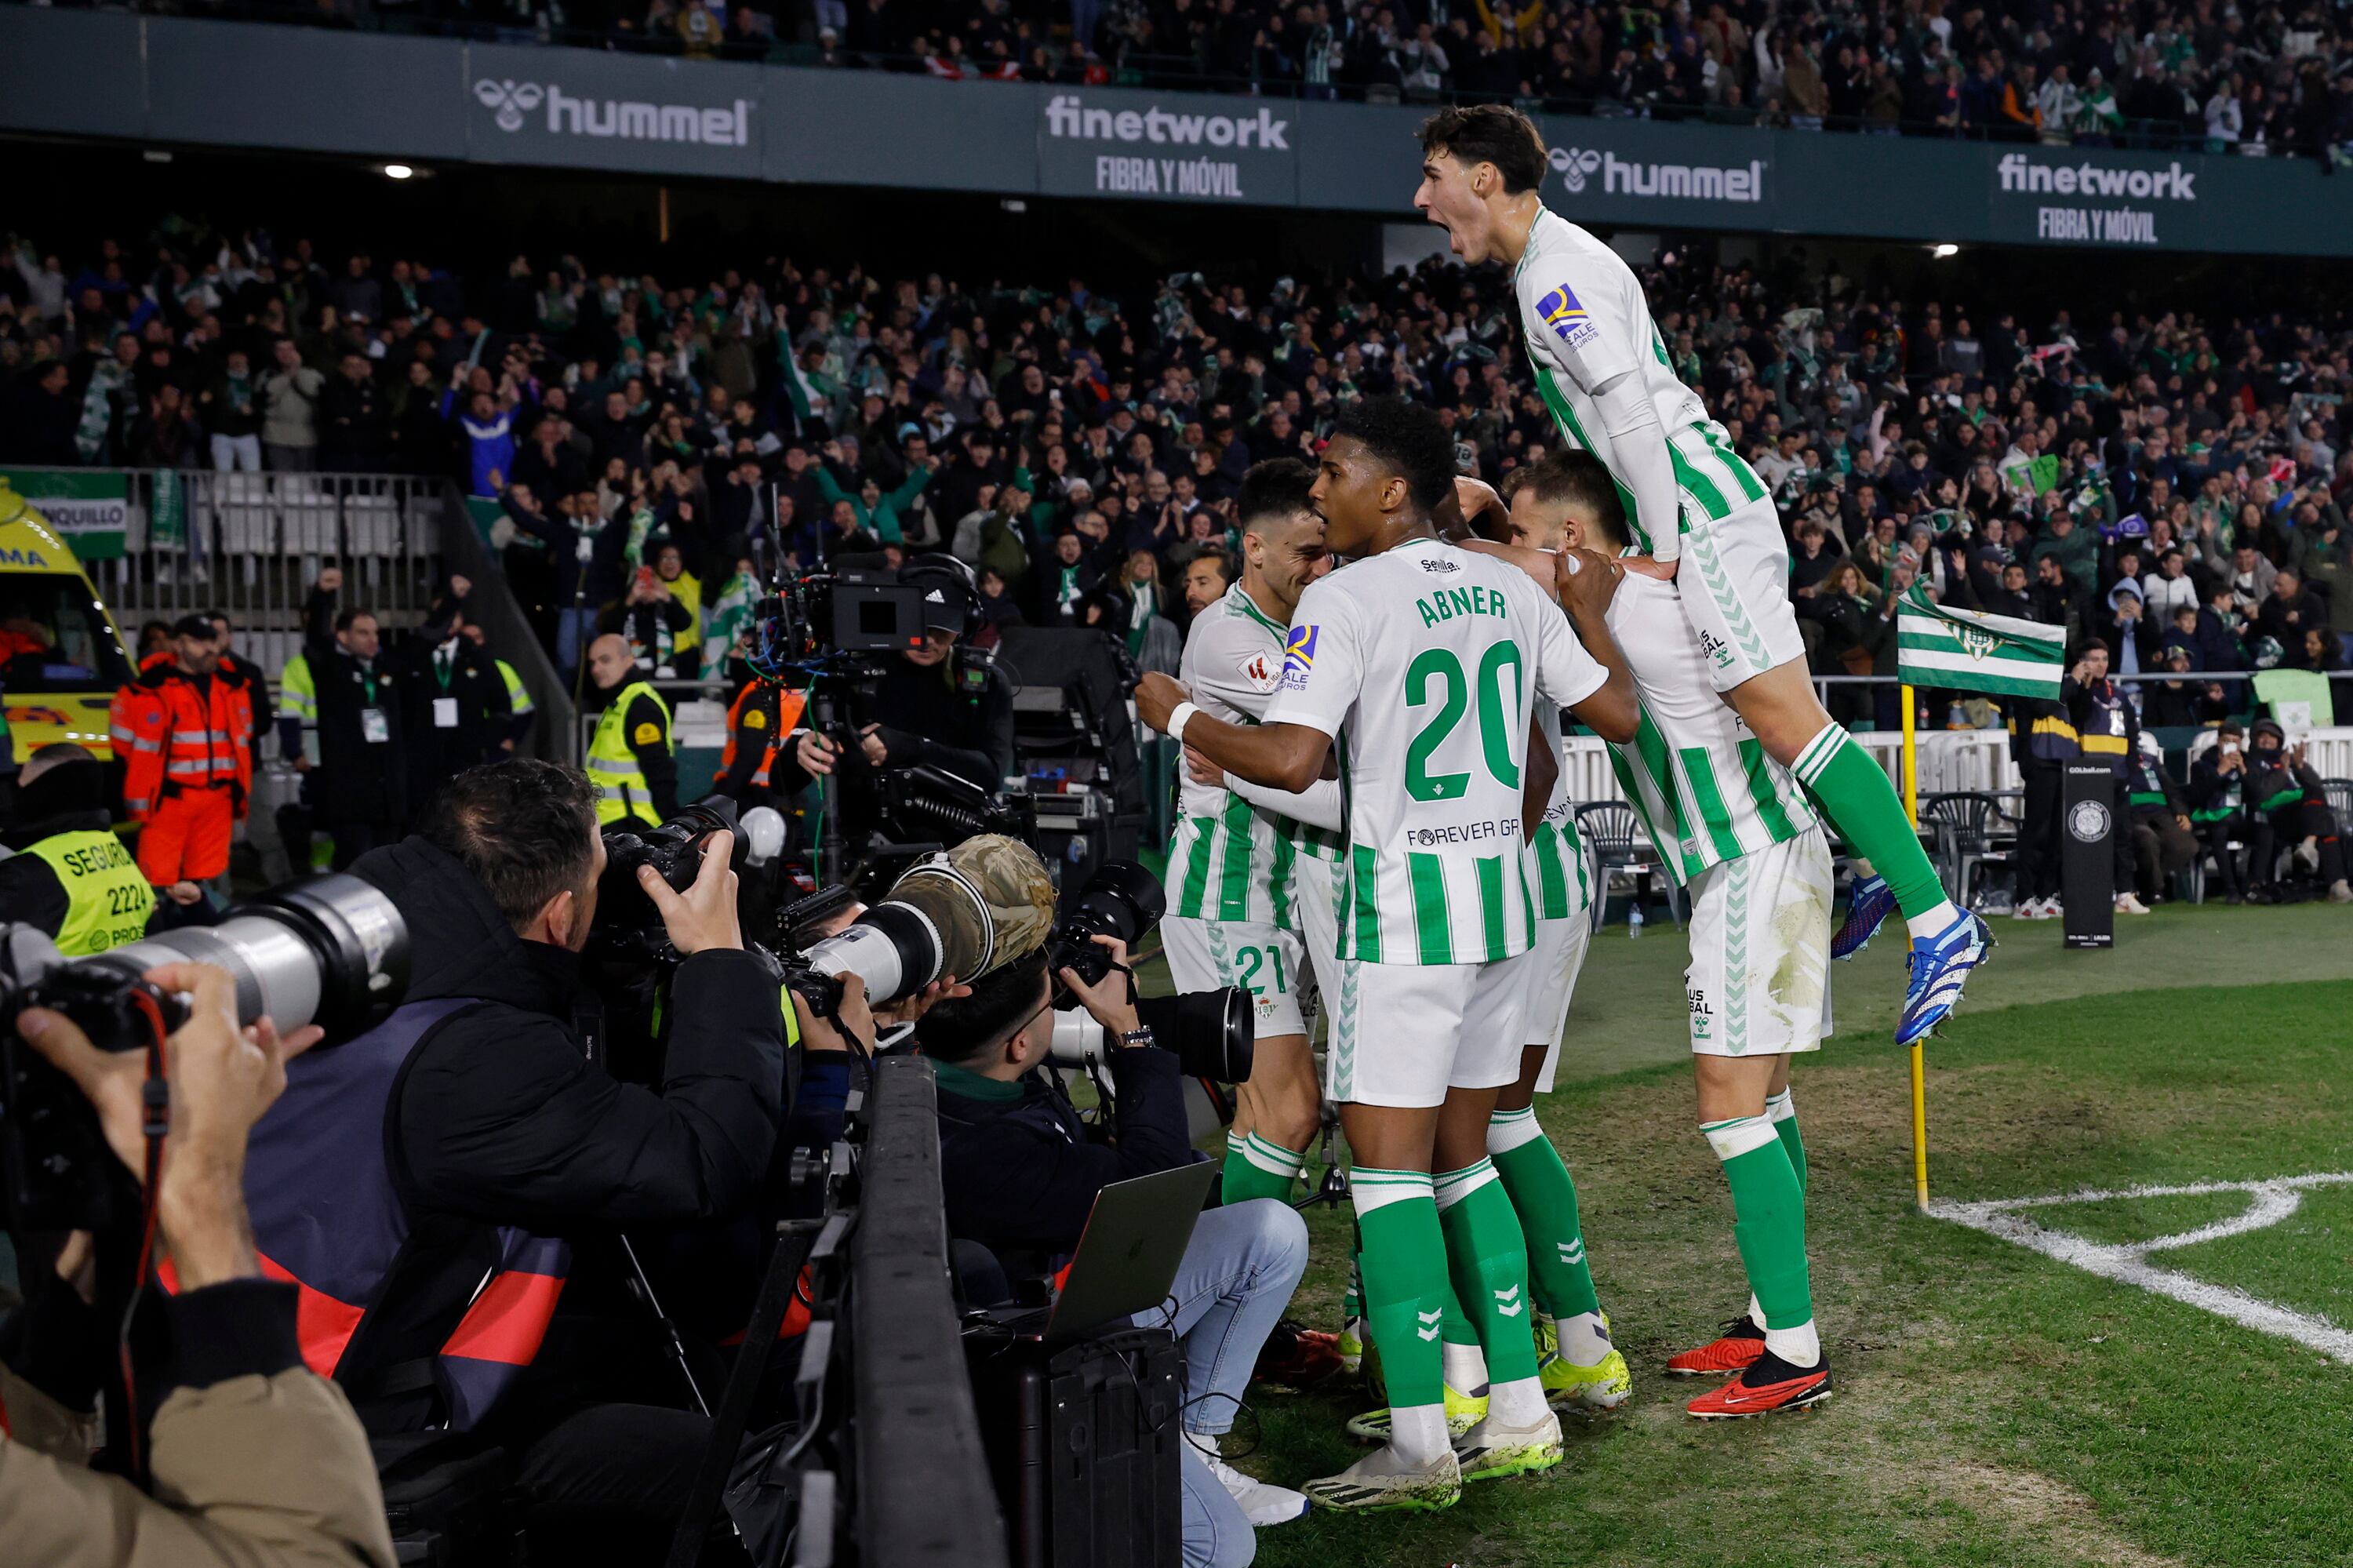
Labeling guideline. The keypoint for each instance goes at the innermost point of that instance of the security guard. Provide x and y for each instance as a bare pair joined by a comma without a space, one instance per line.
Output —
2042,742
184,735
71,876
629,759
2107,728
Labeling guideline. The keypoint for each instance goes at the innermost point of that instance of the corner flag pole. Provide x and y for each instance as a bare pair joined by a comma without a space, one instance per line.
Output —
1911,773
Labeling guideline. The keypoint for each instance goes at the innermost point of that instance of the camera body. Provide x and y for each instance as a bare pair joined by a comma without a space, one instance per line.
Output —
326,949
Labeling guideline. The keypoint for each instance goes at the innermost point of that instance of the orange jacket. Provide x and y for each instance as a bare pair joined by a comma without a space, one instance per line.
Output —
172,737
749,714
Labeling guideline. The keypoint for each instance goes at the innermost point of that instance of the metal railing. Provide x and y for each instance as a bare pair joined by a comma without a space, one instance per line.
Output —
251,545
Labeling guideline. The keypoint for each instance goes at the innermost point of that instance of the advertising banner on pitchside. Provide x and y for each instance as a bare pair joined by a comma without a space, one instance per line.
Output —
170,79
90,508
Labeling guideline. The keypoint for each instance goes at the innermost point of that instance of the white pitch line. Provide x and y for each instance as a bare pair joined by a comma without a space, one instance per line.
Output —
2127,1262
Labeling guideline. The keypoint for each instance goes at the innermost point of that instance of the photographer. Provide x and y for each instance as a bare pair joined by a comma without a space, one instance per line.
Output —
1021,1172
255,1459
421,1182
938,705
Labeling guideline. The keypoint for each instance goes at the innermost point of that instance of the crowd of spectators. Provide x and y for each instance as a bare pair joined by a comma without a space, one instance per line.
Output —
2172,485
2260,79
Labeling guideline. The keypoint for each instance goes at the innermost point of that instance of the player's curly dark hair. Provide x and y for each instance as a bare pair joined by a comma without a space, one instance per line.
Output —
1490,133
1409,439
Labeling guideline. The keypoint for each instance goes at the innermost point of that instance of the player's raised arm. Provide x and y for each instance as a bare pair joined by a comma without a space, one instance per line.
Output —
1287,756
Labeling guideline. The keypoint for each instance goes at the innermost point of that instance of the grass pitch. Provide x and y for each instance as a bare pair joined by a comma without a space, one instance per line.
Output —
1995,1405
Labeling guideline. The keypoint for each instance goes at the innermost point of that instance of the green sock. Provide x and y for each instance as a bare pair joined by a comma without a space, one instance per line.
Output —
1784,1113
1769,1220
1257,1169
1854,792
1488,1258
1352,1298
1546,1201
1405,1280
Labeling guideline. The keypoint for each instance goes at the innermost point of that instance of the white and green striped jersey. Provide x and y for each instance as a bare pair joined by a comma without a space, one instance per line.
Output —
1423,664
1564,888
1701,782
1586,323
1228,860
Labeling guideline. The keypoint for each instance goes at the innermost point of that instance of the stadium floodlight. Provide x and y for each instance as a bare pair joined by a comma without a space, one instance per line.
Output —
1945,252
397,171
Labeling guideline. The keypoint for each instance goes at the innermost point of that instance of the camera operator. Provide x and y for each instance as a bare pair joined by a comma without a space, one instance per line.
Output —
255,1458
413,1178
941,705
1021,1172
71,876
629,759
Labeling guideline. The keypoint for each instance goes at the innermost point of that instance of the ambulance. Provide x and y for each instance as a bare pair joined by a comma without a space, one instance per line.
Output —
61,656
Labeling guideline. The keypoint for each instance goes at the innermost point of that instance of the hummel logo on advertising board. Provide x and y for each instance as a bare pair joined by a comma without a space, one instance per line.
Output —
511,103
511,100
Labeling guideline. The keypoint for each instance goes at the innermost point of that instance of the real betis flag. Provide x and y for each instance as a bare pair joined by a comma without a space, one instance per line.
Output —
1961,649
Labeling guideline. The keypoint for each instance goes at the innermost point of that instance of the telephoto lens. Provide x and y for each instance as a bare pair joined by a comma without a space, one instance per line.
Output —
330,950
1211,1031
981,904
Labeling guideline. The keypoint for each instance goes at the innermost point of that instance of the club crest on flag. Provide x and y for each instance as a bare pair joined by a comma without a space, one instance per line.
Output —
1978,642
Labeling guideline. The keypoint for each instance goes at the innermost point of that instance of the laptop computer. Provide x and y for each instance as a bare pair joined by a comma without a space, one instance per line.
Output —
1135,1238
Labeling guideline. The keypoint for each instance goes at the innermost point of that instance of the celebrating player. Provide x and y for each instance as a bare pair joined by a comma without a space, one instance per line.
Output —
1732,826
1602,370
1233,913
1416,669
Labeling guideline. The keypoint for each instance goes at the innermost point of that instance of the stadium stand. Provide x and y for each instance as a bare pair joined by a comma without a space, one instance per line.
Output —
2156,75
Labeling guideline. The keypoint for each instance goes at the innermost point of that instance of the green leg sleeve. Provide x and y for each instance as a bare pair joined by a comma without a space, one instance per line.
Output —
1785,1122
1257,1169
1854,793
1488,1257
1770,1226
1405,1281
1546,1201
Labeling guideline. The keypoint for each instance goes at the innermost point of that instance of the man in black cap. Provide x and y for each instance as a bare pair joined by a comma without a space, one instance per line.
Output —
941,705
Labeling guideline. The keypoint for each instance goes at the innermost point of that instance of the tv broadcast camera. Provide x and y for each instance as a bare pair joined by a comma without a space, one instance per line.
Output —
833,631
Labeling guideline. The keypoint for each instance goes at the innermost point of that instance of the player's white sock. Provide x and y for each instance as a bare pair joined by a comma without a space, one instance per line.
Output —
1800,1346
1934,923
1519,1403
1755,1311
1583,1340
1418,1432
1466,1368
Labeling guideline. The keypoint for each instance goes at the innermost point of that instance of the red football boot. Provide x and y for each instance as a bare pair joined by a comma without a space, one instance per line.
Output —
1769,1384
1736,1350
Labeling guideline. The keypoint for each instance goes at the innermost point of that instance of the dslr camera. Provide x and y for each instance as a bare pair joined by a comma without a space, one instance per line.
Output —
1211,1031
330,950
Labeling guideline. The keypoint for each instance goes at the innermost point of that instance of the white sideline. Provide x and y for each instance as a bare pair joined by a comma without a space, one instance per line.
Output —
2127,1262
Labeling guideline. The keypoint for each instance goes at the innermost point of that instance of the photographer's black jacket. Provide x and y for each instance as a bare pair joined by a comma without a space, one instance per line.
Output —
1021,1172
957,716
501,1117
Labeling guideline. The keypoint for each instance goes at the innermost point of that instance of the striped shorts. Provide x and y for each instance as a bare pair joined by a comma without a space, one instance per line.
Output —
1759,984
1735,586
1258,955
1402,1035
